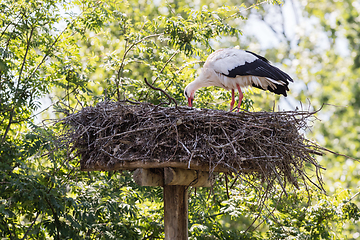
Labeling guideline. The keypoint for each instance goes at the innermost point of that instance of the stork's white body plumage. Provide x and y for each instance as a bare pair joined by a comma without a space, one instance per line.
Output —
233,69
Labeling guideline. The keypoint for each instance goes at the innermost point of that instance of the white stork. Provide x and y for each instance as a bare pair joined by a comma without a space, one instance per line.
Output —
232,69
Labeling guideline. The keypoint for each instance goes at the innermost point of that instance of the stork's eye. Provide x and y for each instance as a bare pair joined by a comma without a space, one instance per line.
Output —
186,95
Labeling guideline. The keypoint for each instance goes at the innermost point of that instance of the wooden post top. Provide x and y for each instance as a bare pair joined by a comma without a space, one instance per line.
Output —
172,176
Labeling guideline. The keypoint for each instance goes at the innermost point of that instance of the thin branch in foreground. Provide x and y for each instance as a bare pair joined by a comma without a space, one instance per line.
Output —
166,94
127,50
162,69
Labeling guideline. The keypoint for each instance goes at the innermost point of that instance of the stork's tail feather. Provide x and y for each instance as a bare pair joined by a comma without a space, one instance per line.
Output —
278,88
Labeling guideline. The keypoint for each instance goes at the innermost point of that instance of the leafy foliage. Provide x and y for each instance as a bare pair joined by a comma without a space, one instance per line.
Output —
77,53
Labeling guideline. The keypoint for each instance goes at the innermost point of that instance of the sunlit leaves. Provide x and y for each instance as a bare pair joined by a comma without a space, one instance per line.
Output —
325,216
82,52
198,27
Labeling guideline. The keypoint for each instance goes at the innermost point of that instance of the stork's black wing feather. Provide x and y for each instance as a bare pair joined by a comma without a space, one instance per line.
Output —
258,56
261,67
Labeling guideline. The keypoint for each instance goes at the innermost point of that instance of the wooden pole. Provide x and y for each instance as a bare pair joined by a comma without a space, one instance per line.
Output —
176,212
175,182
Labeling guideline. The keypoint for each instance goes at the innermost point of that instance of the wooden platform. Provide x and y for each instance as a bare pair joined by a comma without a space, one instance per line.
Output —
132,165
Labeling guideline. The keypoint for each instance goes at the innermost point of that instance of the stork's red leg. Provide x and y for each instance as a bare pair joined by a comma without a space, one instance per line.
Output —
232,99
240,96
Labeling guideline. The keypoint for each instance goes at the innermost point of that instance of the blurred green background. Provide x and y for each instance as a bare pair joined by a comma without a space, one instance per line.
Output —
57,56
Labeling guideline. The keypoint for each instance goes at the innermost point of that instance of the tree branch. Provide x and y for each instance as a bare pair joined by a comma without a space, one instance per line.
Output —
167,62
120,71
7,227
24,59
56,40
3,32
17,86
243,10
56,218
27,232
8,126
162,69
167,95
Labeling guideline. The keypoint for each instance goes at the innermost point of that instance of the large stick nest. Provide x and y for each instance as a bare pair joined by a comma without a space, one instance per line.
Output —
112,135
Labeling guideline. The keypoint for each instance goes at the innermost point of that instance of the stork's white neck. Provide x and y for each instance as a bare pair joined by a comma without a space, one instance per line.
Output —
199,82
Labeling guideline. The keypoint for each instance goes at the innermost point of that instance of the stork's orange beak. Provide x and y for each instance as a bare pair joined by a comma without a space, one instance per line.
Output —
190,101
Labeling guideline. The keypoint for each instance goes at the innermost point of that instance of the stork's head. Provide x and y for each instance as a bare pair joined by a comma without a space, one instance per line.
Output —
191,88
189,93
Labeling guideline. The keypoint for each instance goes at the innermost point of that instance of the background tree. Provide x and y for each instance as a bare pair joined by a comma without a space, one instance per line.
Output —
77,53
